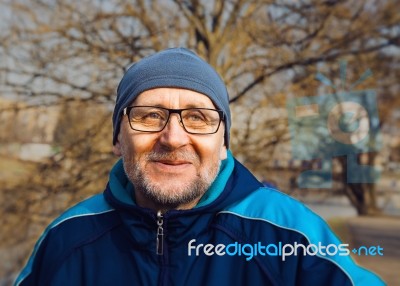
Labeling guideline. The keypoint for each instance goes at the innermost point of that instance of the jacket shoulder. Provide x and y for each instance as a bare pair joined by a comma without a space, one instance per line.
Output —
275,207
92,206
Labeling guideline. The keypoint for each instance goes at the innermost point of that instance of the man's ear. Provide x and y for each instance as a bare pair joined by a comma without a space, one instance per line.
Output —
224,153
117,148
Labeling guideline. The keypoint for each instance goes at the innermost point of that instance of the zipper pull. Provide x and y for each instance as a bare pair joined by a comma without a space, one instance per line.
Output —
160,233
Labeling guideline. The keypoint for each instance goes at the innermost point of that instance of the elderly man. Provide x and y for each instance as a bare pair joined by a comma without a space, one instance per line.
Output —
178,208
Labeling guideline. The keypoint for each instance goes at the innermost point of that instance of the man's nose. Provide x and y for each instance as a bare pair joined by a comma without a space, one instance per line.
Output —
174,135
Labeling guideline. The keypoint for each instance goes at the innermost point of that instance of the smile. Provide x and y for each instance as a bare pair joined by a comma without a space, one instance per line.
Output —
172,166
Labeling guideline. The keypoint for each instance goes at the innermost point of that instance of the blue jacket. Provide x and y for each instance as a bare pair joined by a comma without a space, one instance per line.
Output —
235,236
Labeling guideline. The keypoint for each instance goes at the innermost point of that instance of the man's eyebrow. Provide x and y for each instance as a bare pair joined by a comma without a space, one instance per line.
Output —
150,104
199,105
190,105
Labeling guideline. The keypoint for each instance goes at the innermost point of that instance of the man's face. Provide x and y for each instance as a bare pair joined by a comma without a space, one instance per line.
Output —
170,168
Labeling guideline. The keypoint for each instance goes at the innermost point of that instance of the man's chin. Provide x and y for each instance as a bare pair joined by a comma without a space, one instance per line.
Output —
172,187
172,197
173,178
173,190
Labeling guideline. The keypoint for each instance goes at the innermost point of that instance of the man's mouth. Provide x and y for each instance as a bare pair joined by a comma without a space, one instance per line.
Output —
173,162
177,162
172,166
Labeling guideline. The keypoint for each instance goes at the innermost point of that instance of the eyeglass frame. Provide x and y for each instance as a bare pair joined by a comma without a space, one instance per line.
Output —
126,111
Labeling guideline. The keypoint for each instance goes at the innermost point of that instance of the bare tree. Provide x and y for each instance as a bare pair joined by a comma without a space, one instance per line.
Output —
288,42
72,54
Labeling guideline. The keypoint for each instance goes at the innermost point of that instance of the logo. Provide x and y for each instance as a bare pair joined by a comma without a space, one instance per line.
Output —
344,123
249,251
259,249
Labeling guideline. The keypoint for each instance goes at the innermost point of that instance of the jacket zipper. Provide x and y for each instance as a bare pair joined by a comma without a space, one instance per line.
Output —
160,234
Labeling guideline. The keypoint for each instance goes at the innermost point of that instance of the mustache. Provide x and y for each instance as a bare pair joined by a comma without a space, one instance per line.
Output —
175,155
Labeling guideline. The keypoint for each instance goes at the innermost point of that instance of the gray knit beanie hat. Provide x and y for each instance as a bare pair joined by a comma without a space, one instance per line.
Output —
176,67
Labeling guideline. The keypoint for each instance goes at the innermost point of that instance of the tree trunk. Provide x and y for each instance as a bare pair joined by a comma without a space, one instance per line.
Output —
362,195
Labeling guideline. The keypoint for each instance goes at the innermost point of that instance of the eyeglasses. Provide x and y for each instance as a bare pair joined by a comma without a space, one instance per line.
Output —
193,120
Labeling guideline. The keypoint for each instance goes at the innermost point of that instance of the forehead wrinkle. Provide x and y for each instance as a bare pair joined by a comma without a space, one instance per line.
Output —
197,100
175,98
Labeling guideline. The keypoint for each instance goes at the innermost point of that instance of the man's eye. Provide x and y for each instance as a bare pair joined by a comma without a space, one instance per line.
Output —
147,116
195,117
152,115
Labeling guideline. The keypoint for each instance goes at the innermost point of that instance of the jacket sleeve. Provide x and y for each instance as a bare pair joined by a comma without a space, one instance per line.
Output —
61,238
49,264
35,271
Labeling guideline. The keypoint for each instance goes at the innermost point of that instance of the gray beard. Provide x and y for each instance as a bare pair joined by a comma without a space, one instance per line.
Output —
170,199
